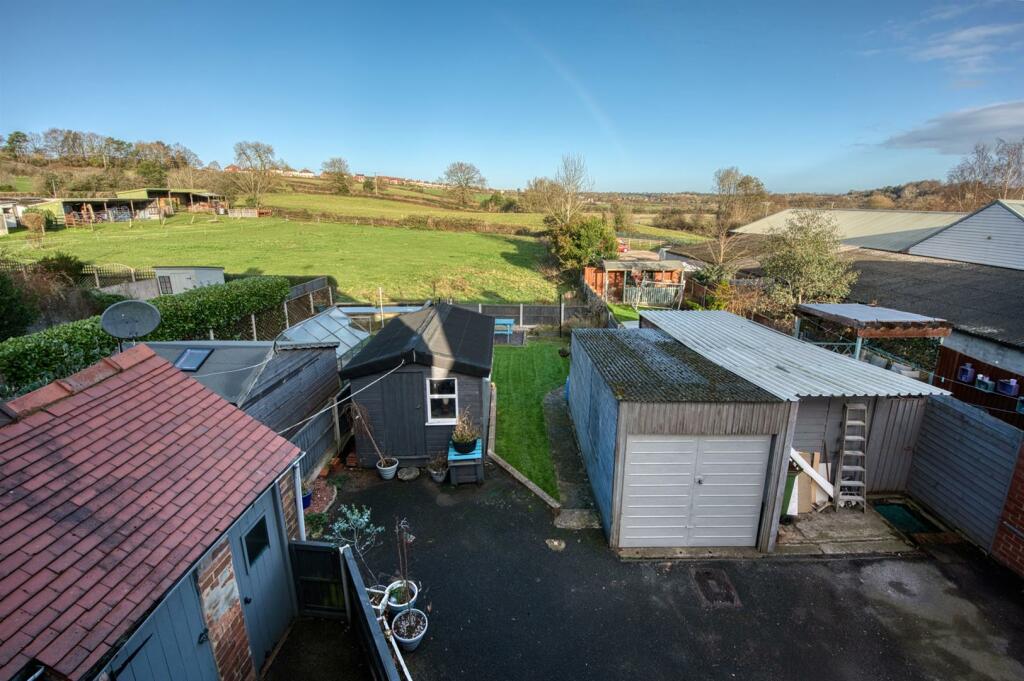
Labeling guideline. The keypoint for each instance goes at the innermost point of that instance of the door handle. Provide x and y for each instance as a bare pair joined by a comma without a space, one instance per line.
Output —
204,636
247,600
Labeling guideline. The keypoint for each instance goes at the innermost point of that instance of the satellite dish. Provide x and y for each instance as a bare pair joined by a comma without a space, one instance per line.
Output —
130,319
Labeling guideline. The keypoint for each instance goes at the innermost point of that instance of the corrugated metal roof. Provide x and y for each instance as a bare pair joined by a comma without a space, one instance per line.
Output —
992,235
1016,206
781,364
648,265
648,365
885,230
868,314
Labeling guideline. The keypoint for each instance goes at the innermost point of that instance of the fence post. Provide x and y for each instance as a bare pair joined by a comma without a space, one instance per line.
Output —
252,318
131,270
286,324
520,314
96,276
480,308
312,307
211,335
330,295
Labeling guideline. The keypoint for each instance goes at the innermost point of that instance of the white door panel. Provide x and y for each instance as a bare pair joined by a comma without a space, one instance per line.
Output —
692,491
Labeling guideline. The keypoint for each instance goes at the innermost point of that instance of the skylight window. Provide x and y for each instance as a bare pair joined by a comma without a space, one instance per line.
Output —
192,358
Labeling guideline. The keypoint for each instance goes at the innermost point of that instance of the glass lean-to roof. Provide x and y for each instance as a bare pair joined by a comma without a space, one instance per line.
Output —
330,326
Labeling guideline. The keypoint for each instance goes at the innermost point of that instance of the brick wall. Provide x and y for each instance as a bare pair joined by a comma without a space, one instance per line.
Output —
291,517
1008,547
222,610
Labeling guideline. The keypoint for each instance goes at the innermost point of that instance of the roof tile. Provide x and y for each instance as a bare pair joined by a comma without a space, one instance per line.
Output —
113,483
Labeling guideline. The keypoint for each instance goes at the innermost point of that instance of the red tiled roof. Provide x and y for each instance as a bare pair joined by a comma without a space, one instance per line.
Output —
113,482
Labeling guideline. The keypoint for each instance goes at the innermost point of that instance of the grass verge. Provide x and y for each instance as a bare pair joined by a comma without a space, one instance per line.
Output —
523,377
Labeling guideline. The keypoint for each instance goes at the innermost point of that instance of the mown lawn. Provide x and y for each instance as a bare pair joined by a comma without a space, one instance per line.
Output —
407,263
364,206
523,377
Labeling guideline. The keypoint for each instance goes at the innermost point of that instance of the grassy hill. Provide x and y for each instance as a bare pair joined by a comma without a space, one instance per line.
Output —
406,263
369,207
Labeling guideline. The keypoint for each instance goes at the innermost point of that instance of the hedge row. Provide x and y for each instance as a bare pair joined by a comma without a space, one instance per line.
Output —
28,362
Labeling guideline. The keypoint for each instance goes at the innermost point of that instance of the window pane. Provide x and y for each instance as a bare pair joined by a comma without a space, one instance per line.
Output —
257,541
165,285
442,408
192,358
443,386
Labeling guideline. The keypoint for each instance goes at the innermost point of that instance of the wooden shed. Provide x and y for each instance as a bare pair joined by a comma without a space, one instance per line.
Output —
416,375
690,396
679,452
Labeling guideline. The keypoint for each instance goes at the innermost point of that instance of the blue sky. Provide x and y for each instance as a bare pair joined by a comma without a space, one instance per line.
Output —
814,96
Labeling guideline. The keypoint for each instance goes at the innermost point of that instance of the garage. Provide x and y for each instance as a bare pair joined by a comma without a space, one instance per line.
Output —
680,452
693,491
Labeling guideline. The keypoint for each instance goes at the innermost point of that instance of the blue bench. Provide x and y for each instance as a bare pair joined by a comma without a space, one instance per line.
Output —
466,467
504,326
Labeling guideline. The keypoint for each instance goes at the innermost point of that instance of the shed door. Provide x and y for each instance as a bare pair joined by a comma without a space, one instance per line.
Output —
260,561
172,645
692,491
403,396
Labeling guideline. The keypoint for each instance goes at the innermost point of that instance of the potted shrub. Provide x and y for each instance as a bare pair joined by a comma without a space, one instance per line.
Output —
307,495
409,625
438,468
465,434
387,466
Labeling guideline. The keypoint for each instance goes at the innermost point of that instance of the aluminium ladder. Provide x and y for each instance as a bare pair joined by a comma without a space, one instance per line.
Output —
851,473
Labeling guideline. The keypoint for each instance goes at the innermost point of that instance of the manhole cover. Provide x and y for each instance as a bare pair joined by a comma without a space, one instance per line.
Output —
715,589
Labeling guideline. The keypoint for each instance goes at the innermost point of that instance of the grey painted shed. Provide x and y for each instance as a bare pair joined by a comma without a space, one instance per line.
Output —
679,451
416,375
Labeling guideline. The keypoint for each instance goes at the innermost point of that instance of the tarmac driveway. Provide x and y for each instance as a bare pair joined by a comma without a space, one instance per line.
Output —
504,604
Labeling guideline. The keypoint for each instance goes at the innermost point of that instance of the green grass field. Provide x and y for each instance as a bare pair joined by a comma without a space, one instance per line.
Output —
362,206
672,235
523,377
406,263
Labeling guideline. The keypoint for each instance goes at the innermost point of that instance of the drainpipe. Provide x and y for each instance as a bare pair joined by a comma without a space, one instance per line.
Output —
856,348
297,478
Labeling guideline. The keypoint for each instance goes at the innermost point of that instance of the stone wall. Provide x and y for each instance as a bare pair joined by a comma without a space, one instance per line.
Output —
222,610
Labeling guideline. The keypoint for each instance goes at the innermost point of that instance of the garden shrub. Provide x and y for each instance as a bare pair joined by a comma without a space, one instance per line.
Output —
17,310
27,362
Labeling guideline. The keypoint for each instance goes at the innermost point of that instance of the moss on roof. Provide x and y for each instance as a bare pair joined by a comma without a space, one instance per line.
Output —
648,365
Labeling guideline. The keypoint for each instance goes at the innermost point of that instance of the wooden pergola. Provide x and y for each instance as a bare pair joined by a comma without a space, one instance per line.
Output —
868,321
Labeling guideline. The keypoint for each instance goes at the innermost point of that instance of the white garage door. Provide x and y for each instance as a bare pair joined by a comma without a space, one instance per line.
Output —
692,491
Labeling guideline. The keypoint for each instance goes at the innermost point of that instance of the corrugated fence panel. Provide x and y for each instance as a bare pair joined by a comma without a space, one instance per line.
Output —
962,466
895,424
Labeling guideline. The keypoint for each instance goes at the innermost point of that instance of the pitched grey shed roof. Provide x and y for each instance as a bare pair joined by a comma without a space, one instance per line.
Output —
648,365
442,335
781,364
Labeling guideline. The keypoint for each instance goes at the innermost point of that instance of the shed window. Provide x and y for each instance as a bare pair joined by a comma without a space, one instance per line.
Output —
256,541
192,358
164,283
442,401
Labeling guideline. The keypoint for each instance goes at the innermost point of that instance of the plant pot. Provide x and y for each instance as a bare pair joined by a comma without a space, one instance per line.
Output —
464,447
410,644
397,606
307,499
438,476
387,472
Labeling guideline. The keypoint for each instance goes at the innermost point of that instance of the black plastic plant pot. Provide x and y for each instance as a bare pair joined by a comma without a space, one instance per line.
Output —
464,447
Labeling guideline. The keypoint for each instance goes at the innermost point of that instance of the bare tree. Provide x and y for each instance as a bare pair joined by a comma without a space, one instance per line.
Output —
571,184
987,174
462,178
738,197
336,170
258,167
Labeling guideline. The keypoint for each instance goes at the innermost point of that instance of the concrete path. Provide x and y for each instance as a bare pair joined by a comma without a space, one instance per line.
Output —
578,509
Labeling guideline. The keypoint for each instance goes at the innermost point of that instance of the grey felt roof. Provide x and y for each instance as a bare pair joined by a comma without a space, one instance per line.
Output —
977,299
648,365
442,336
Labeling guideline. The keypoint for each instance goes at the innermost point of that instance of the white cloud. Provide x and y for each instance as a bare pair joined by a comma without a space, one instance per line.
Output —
957,132
969,50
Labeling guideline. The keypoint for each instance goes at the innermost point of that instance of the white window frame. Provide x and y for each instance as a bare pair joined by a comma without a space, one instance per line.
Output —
431,421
